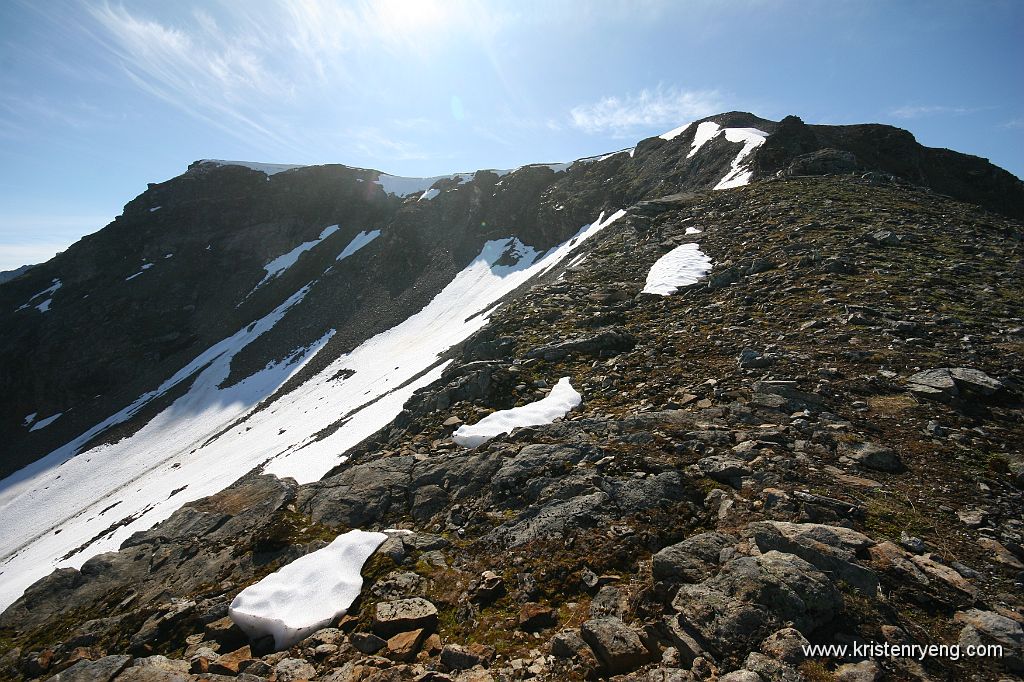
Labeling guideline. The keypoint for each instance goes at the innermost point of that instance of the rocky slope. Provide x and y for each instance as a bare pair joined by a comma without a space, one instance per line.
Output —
820,442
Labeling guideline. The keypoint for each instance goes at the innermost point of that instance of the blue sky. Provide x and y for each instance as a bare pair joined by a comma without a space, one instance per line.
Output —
99,97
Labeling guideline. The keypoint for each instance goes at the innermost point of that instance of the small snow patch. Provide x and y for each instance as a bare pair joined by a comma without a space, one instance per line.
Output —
307,594
145,267
43,423
693,230
29,419
358,242
429,194
275,267
155,208
680,267
562,398
675,132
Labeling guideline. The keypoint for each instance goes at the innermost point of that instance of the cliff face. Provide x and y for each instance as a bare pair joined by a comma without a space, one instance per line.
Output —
316,335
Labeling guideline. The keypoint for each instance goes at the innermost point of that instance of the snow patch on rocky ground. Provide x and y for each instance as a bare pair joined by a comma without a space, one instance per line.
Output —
560,401
680,267
300,598
358,242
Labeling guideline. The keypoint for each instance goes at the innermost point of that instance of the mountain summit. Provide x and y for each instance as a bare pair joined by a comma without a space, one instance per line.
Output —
670,412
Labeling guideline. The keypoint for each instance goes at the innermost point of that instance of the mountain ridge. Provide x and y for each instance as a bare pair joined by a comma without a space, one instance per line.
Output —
461,287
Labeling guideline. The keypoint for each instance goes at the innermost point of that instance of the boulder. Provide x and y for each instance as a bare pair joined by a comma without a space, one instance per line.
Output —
535,617
617,645
404,615
456,657
405,645
294,670
102,670
951,384
691,560
751,597
832,549
872,456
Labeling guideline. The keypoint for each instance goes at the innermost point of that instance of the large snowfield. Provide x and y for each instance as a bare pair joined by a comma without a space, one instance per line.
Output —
73,504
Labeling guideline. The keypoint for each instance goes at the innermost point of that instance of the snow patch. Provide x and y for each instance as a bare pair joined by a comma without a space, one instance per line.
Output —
268,168
693,230
675,132
300,598
705,132
155,208
739,174
145,267
29,418
358,242
45,305
275,267
43,423
562,398
680,267
403,187
429,194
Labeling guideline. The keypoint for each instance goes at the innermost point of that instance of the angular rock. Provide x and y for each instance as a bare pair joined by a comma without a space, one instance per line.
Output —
367,642
691,560
403,615
753,596
455,657
873,456
988,627
617,645
405,645
102,670
947,384
535,617
567,643
231,663
752,359
786,645
293,670
832,549
864,671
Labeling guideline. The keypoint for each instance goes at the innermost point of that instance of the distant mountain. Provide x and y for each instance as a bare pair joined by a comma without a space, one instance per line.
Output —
244,320
7,275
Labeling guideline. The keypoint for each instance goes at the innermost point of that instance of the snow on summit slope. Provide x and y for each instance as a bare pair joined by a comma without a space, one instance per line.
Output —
73,504
268,168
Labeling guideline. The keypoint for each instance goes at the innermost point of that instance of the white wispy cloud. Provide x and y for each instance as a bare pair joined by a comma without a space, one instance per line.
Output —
1014,124
257,71
921,111
662,106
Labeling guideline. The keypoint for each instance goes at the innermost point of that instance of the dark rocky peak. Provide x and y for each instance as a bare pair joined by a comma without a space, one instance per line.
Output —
888,150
